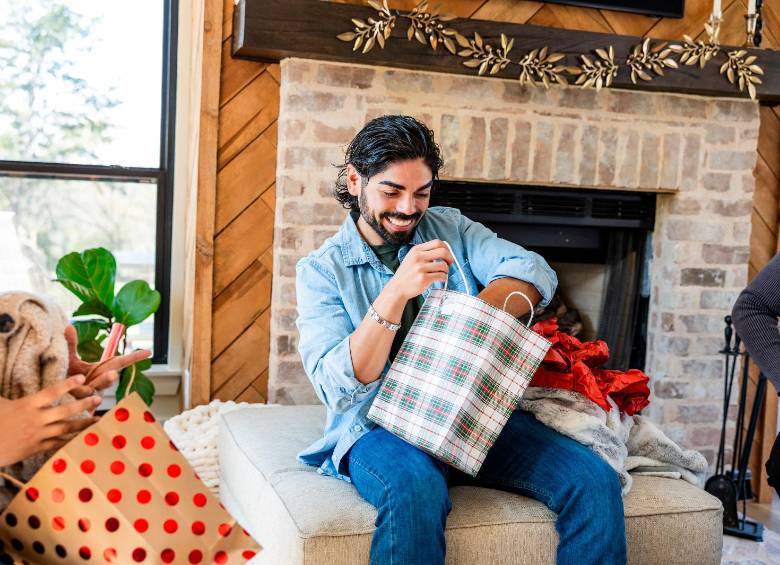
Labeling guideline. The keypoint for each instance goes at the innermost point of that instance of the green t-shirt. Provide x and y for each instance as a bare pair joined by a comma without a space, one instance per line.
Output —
388,254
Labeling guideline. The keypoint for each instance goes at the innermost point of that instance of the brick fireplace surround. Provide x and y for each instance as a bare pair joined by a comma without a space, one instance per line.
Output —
697,153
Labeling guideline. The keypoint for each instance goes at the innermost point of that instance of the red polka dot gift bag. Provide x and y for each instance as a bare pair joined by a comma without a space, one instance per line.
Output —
120,492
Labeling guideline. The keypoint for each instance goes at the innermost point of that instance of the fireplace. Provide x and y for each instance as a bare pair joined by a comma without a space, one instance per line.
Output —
684,162
598,242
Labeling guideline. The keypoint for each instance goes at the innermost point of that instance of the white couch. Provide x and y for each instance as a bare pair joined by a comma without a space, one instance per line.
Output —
303,518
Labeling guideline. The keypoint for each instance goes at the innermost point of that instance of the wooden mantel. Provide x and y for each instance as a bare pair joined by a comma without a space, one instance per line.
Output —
271,30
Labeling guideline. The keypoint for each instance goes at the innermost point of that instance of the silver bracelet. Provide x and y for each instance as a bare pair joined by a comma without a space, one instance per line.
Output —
381,321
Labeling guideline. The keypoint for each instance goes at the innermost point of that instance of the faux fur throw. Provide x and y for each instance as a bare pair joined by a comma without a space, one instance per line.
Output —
33,355
628,443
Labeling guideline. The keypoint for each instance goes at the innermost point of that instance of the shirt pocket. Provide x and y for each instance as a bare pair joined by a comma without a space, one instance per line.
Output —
455,281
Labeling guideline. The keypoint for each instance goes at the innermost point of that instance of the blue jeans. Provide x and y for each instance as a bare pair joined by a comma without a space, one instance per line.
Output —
409,488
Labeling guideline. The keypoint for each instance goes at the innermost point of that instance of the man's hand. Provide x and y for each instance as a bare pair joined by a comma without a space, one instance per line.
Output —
31,425
424,265
104,375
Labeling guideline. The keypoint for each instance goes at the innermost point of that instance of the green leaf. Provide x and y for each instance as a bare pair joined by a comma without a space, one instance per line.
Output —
89,275
135,302
90,351
140,384
93,307
87,330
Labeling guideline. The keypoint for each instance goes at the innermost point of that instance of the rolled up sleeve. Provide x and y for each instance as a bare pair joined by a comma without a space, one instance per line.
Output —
491,258
324,327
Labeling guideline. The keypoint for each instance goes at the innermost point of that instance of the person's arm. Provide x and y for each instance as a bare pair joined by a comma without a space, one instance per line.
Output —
31,425
503,267
755,316
497,291
342,362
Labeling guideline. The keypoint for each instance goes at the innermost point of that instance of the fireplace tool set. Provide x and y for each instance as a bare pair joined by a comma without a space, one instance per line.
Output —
734,485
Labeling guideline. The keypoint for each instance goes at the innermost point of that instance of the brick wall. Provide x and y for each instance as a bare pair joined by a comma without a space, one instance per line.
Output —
697,153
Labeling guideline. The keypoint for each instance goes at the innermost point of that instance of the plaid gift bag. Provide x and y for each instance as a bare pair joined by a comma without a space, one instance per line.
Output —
458,376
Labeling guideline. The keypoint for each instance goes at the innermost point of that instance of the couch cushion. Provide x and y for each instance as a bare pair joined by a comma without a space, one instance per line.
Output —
301,517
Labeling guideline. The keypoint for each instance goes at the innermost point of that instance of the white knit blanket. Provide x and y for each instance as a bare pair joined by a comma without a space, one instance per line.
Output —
628,443
195,434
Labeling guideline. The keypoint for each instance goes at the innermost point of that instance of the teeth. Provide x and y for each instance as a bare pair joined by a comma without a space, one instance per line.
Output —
401,223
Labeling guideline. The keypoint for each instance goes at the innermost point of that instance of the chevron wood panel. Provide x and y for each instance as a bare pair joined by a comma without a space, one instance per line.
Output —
236,74
246,115
245,194
241,242
246,177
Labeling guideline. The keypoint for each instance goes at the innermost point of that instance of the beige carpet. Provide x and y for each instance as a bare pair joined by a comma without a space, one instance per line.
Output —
738,550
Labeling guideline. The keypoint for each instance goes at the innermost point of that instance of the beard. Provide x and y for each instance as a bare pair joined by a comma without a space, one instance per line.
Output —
375,221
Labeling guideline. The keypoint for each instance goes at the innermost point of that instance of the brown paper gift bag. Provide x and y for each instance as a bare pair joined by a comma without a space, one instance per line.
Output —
120,492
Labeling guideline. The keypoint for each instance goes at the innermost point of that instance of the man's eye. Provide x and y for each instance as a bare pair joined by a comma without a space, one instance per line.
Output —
389,194
424,195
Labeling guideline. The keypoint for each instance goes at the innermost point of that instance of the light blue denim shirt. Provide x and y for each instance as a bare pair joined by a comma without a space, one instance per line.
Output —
335,285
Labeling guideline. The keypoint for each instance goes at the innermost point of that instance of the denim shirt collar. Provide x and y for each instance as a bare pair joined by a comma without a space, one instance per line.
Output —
355,250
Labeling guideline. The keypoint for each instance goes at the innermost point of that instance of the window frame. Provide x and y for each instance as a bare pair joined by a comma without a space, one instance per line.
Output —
161,176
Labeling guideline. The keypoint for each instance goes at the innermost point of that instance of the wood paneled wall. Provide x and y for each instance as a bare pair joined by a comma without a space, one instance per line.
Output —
237,166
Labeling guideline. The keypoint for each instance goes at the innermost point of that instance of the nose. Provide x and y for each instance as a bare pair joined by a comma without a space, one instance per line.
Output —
6,323
406,205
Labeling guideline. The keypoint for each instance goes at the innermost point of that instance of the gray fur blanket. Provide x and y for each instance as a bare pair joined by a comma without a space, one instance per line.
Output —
630,444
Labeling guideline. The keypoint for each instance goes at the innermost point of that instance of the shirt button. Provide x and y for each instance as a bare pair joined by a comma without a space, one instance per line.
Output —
357,428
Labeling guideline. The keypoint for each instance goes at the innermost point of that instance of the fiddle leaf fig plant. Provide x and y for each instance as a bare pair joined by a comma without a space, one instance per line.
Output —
91,276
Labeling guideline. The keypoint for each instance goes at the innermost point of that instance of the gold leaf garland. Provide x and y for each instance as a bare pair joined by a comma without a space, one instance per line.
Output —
539,66
692,52
428,27
483,56
596,72
645,59
372,32
743,70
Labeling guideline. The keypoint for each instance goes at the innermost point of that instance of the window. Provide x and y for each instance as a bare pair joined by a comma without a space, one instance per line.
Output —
87,99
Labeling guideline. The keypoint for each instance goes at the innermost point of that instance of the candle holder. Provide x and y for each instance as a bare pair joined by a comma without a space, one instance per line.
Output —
754,24
751,22
712,27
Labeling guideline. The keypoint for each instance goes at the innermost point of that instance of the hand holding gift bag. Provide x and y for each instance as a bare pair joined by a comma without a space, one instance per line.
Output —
120,492
458,376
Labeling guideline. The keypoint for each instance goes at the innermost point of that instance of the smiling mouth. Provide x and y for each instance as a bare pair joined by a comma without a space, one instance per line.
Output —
400,224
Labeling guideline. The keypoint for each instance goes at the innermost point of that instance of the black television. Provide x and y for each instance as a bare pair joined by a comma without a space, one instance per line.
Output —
665,8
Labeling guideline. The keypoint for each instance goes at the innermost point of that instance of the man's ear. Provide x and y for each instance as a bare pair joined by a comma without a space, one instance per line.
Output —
353,181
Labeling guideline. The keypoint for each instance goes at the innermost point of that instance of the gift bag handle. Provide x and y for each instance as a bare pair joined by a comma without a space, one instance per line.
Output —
531,304
16,482
460,270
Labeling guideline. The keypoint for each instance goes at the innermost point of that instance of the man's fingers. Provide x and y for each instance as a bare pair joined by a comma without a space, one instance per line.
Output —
52,444
51,393
57,430
439,254
72,337
65,411
104,380
118,363
82,391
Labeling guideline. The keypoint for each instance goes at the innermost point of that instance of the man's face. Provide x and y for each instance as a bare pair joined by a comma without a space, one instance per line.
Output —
393,202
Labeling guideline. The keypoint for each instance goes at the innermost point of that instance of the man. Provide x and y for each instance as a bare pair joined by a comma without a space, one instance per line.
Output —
357,297
755,318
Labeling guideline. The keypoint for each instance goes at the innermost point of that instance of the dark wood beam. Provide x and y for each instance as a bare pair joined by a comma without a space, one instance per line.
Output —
271,30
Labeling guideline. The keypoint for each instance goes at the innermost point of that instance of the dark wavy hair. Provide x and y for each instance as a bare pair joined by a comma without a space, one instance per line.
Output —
382,142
